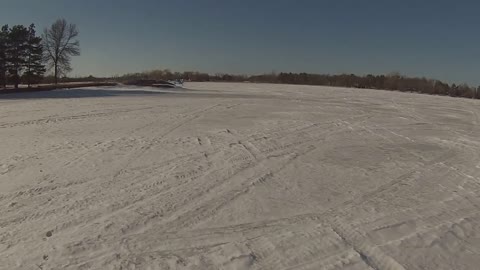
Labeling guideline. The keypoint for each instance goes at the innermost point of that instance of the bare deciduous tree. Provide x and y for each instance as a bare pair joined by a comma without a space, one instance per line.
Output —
60,44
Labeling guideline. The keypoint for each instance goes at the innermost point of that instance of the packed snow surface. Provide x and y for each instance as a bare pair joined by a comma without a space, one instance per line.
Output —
238,176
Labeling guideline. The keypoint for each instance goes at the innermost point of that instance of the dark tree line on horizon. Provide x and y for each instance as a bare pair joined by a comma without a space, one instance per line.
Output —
25,57
393,81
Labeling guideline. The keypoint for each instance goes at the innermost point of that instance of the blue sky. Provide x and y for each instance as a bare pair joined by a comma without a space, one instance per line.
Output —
433,38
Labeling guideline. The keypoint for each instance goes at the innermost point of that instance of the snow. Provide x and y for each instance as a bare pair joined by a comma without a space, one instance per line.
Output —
238,176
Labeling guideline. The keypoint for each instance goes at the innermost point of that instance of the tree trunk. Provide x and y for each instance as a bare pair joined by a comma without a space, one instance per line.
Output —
56,75
4,79
29,74
16,79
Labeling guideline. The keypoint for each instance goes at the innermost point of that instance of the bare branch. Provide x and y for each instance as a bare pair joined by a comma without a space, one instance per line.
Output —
60,45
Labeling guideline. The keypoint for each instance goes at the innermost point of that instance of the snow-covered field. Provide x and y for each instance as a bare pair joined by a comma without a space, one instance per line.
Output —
239,176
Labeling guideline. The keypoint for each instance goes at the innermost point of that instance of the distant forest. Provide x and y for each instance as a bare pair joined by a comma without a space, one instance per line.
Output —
25,57
393,81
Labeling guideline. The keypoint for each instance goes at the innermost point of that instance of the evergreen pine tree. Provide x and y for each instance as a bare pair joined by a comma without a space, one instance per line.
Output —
34,69
17,44
3,55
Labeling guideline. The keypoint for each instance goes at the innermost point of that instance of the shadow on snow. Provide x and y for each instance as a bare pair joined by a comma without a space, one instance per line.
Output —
79,93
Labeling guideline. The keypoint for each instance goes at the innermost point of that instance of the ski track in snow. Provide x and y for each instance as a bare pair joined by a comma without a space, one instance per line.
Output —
238,176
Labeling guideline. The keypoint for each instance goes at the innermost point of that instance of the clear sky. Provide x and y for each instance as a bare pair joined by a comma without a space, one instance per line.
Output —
433,38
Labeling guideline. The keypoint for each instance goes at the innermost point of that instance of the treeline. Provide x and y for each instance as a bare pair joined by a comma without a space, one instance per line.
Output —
21,56
393,81
50,79
25,57
165,75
